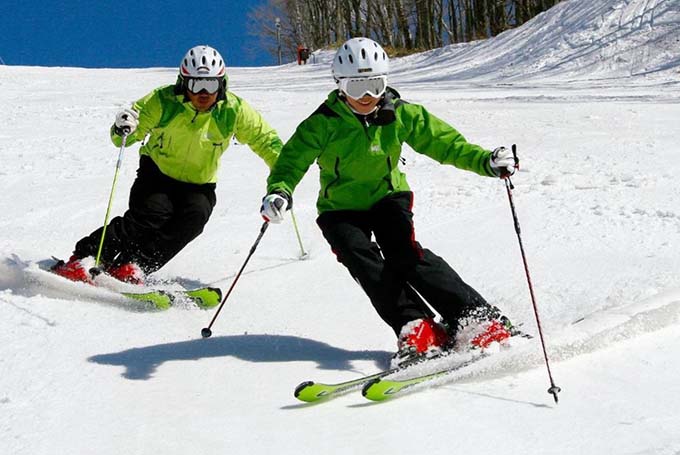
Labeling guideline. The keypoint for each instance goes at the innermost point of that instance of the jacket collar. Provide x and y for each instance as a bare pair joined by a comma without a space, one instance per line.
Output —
183,99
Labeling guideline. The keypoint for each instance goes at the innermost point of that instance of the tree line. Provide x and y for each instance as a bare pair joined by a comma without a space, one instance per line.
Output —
401,26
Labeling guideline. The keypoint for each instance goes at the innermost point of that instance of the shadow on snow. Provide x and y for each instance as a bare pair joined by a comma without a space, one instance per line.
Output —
141,363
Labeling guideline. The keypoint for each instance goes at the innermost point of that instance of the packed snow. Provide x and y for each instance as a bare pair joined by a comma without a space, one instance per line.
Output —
589,92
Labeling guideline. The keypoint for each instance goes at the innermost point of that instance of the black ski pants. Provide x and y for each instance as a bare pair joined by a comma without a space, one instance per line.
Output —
164,215
390,268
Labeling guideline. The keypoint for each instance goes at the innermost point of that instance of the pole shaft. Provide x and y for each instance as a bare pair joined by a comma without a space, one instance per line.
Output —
108,208
297,233
554,390
530,284
263,229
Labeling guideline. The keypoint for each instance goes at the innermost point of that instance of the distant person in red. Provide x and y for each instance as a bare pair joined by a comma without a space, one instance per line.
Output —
302,54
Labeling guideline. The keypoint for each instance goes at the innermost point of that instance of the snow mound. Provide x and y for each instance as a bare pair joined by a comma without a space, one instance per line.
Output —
575,40
592,333
26,278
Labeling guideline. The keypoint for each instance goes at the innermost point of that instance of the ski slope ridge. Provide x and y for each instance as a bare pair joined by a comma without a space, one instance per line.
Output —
575,40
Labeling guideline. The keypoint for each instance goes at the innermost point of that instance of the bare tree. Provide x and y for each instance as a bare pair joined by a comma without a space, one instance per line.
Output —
398,24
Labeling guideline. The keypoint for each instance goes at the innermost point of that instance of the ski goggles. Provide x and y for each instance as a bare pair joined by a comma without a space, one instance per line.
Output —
199,84
359,86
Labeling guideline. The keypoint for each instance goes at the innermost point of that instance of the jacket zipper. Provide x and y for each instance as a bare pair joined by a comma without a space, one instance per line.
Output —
388,177
337,177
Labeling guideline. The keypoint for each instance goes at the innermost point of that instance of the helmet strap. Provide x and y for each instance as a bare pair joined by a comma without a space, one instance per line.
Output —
179,86
222,92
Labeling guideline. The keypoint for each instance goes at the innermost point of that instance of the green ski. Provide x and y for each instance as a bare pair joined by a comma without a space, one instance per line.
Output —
311,391
205,298
380,389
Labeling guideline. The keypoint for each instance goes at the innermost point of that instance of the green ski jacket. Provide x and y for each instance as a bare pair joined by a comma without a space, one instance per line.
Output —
359,161
186,144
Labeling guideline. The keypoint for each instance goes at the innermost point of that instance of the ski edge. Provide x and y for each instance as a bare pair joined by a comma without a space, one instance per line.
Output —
380,389
205,298
161,300
331,390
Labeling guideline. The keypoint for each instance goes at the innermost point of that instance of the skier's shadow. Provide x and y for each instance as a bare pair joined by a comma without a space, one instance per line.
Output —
141,363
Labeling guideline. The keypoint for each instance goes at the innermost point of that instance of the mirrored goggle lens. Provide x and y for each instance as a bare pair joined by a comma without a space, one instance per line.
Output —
357,88
210,85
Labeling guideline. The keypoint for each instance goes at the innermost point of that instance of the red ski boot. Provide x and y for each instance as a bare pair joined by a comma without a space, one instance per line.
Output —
493,331
420,338
73,270
128,273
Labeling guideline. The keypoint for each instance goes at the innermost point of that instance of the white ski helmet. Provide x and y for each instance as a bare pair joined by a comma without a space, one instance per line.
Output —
202,61
360,57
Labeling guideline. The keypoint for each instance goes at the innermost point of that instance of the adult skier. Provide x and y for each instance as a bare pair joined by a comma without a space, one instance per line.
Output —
186,127
356,137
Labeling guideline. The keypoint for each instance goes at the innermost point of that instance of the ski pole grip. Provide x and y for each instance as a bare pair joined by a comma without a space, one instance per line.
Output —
507,175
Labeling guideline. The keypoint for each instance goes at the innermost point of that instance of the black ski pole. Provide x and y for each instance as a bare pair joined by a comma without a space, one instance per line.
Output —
206,332
554,390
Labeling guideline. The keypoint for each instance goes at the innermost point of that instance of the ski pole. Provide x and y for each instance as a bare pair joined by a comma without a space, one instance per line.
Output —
206,332
303,254
554,390
96,270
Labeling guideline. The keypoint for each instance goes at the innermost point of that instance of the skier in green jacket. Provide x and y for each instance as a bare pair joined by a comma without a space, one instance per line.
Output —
356,137
186,127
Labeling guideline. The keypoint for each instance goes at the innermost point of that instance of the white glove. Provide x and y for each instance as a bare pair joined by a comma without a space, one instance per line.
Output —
503,162
273,207
126,122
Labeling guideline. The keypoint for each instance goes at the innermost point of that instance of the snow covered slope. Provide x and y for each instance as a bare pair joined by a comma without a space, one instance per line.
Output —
575,40
597,200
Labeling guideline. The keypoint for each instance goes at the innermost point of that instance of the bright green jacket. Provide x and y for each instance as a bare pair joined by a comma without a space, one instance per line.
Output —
186,144
359,162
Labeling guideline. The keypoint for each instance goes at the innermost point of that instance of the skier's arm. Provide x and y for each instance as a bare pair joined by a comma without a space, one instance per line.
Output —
253,130
433,137
150,110
296,156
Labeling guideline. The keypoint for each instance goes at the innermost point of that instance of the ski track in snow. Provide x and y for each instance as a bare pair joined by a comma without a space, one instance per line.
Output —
589,93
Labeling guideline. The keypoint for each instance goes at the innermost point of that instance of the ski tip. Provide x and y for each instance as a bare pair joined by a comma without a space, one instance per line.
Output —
218,291
301,387
368,385
204,298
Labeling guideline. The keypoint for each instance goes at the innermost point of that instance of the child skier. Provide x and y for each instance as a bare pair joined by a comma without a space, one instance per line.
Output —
356,137
189,126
